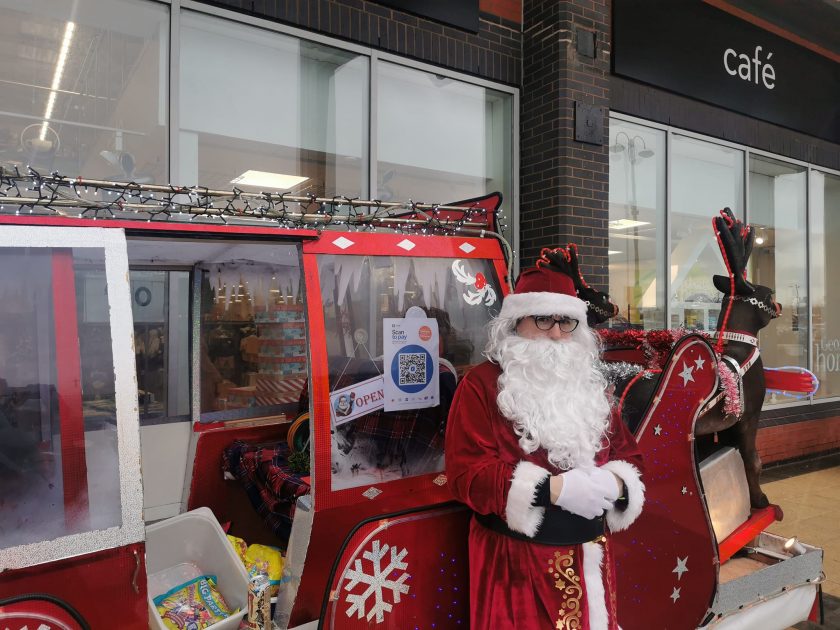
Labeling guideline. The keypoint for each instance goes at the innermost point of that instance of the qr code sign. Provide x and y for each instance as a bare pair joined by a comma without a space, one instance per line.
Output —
412,368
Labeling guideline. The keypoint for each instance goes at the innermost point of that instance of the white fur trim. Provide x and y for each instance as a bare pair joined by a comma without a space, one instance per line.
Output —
593,577
520,512
619,520
518,305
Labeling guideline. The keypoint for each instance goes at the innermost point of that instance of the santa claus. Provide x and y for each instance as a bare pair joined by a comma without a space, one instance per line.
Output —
533,448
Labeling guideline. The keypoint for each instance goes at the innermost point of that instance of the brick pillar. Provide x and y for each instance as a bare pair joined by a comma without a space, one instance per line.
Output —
564,183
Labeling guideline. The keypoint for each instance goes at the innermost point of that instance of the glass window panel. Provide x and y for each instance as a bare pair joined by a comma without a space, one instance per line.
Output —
441,140
84,87
705,178
825,281
160,308
357,293
53,481
777,211
253,333
306,116
637,214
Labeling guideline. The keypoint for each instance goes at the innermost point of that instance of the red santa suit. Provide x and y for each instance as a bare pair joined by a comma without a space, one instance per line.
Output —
533,565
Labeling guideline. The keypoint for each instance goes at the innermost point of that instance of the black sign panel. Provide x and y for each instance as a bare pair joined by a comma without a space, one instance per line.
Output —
460,13
692,48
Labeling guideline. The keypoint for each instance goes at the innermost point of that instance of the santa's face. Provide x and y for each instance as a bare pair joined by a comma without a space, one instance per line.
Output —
551,390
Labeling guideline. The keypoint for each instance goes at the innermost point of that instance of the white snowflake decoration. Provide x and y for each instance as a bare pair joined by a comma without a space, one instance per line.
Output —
378,581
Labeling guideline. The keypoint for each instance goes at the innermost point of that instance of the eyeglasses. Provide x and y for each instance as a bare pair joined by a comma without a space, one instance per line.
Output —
547,322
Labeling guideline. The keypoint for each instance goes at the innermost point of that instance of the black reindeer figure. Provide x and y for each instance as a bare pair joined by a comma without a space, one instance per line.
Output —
598,306
746,309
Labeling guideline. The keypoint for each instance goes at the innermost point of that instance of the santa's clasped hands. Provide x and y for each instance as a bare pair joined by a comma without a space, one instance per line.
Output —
585,491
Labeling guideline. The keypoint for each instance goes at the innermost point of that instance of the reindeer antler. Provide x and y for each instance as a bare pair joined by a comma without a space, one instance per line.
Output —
736,242
577,276
558,259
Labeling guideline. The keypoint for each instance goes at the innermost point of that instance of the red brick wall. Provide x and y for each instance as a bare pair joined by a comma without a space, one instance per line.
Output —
796,439
507,9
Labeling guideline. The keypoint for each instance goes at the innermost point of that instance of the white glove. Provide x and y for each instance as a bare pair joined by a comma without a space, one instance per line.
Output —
606,482
582,495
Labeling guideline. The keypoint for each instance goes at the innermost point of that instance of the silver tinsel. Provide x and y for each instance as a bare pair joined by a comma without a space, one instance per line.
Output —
620,371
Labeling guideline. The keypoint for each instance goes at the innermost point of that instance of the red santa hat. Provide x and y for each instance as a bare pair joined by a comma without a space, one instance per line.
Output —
543,290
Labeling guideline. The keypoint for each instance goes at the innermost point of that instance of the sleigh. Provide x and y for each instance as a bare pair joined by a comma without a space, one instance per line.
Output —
706,558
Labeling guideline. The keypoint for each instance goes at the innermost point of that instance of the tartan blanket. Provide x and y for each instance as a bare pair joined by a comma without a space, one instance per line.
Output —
272,488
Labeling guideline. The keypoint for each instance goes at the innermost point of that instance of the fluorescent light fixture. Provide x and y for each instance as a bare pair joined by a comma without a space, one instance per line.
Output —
624,224
264,179
57,74
613,251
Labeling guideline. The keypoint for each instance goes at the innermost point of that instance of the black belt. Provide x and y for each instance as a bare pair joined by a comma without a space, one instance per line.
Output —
559,527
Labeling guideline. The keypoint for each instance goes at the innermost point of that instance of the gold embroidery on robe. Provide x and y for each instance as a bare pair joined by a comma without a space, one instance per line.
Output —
561,568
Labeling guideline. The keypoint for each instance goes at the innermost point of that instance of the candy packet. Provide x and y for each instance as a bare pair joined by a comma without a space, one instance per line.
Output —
194,605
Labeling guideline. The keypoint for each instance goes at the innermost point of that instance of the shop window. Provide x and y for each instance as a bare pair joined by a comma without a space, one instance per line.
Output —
358,293
440,139
84,87
825,280
59,464
160,309
705,178
302,128
777,211
637,213
252,346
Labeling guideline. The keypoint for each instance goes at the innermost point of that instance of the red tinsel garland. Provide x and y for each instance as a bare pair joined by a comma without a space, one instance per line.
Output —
657,344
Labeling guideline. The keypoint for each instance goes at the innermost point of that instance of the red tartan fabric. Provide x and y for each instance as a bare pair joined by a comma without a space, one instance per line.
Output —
270,485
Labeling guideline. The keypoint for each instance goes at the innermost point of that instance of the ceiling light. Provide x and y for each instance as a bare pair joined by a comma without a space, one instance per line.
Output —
759,240
263,179
613,251
624,224
59,71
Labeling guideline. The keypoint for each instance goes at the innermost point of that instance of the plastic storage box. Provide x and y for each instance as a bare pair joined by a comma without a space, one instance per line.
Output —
187,546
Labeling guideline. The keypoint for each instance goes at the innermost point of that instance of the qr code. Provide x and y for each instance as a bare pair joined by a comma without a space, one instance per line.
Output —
413,368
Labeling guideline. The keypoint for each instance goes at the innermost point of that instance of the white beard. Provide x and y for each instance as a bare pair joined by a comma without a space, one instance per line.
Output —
553,394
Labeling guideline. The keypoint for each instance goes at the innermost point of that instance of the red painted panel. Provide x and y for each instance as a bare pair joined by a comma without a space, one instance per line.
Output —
507,9
434,542
98,585
160,226
69,385
672,541
413,245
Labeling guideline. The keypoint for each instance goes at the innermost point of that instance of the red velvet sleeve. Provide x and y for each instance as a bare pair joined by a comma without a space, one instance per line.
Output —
623,445
476,473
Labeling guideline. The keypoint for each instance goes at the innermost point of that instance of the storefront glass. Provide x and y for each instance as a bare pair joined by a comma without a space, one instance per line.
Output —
441,140
260,110
825,281
637,218
84,87
777,211
705,178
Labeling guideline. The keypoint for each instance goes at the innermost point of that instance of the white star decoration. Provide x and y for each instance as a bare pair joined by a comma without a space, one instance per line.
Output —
684,490
657,430
680,568
699,363
675,595
686,374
